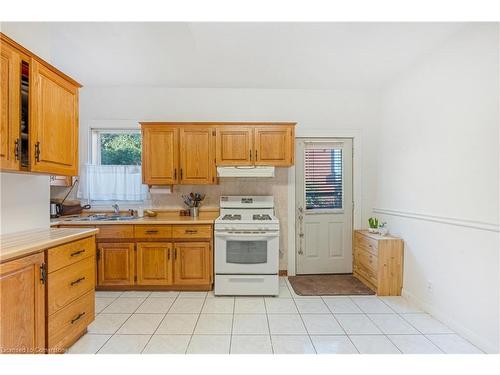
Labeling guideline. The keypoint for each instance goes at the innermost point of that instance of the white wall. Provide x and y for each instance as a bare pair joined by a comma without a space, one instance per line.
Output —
437,184
25,198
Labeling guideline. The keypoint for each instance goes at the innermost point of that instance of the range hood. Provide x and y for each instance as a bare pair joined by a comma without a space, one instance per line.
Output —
244,171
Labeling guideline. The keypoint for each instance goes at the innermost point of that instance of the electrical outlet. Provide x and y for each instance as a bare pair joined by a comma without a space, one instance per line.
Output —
430,286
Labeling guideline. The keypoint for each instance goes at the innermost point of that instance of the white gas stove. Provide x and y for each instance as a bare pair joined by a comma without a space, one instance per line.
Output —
246,246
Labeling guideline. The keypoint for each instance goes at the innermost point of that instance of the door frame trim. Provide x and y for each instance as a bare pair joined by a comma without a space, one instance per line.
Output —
357,184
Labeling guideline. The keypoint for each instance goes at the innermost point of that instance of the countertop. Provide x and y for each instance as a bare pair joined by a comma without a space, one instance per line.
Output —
377,236
19,244
165,218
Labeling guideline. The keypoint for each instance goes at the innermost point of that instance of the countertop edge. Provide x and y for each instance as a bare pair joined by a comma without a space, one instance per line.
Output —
41,245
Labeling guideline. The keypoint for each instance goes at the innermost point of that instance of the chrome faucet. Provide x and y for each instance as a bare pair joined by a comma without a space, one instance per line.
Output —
116,208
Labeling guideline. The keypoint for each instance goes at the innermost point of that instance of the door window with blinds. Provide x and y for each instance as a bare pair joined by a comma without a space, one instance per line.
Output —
324,176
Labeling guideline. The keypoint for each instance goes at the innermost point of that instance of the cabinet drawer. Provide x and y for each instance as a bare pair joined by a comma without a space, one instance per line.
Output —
366,273
64,255
366,243
65,325
116,231
192,231
366,259
153,231
69,283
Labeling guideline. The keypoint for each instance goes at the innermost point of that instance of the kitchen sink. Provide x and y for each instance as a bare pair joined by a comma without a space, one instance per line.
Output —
102,217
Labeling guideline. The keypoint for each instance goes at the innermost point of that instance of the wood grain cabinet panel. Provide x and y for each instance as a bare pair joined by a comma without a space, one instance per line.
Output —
116,264
69,283
10,86
192,263
64,255
234,146
66,325
22,306
274,145
160,155
154,263
54,122
197,159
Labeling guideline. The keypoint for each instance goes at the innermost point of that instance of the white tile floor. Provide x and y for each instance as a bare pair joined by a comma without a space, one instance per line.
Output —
199,322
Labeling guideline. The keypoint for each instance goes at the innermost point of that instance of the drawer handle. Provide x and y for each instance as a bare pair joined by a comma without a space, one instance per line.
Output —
191,231
77,317
77,253
77,281
152,231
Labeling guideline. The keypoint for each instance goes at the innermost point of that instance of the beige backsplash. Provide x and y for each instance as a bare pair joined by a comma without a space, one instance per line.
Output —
276,186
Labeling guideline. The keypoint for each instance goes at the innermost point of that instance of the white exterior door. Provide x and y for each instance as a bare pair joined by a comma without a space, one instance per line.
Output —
323,206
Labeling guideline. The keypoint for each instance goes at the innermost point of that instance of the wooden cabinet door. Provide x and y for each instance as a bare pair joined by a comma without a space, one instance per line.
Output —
197,160
116,264
54,123
192,263
234,146
274,145
154,263
160,155
22,306
10,87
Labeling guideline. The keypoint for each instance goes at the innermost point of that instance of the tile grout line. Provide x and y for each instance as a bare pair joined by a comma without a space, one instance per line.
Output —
126,320
197,320
302,320
161,321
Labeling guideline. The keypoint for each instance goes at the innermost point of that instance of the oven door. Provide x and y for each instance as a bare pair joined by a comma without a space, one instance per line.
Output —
246,253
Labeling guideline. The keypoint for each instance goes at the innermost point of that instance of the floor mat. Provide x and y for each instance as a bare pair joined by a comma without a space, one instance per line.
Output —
328,285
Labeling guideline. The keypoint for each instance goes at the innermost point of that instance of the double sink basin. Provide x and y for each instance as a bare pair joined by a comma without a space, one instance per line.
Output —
102,217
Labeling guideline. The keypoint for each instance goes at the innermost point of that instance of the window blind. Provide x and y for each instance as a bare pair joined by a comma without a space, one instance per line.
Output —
323,178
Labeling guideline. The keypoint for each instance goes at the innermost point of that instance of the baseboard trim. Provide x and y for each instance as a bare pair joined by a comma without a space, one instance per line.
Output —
283,273
491,227
458,328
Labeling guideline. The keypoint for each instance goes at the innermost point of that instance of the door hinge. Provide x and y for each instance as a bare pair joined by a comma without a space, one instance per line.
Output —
43,273
135,278
98,254
213,133
37,151
17,149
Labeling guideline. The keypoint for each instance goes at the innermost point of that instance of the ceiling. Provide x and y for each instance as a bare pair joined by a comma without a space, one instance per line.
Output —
241,55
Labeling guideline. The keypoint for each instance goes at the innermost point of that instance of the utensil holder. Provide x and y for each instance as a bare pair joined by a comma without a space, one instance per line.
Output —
194,211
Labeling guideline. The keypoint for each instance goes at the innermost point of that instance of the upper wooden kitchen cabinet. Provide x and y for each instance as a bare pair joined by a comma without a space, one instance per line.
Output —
10,90
234,146
173,153
243,144
39,120
160,155
154,263
54,122
22,305
197,155
274,145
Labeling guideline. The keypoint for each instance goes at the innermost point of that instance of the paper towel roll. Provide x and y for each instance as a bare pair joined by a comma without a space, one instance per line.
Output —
159,190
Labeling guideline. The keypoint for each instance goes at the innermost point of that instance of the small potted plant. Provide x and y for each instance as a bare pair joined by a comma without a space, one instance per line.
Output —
373,225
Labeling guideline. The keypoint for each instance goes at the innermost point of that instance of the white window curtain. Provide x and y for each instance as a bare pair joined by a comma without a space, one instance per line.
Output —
111,182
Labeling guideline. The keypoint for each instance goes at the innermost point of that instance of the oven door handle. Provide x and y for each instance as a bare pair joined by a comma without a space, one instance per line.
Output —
247,235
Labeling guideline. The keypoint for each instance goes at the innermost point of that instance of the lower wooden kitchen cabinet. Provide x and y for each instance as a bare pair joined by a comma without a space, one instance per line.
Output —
155,256
22,305
47,298
192,264
116,263
154,263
